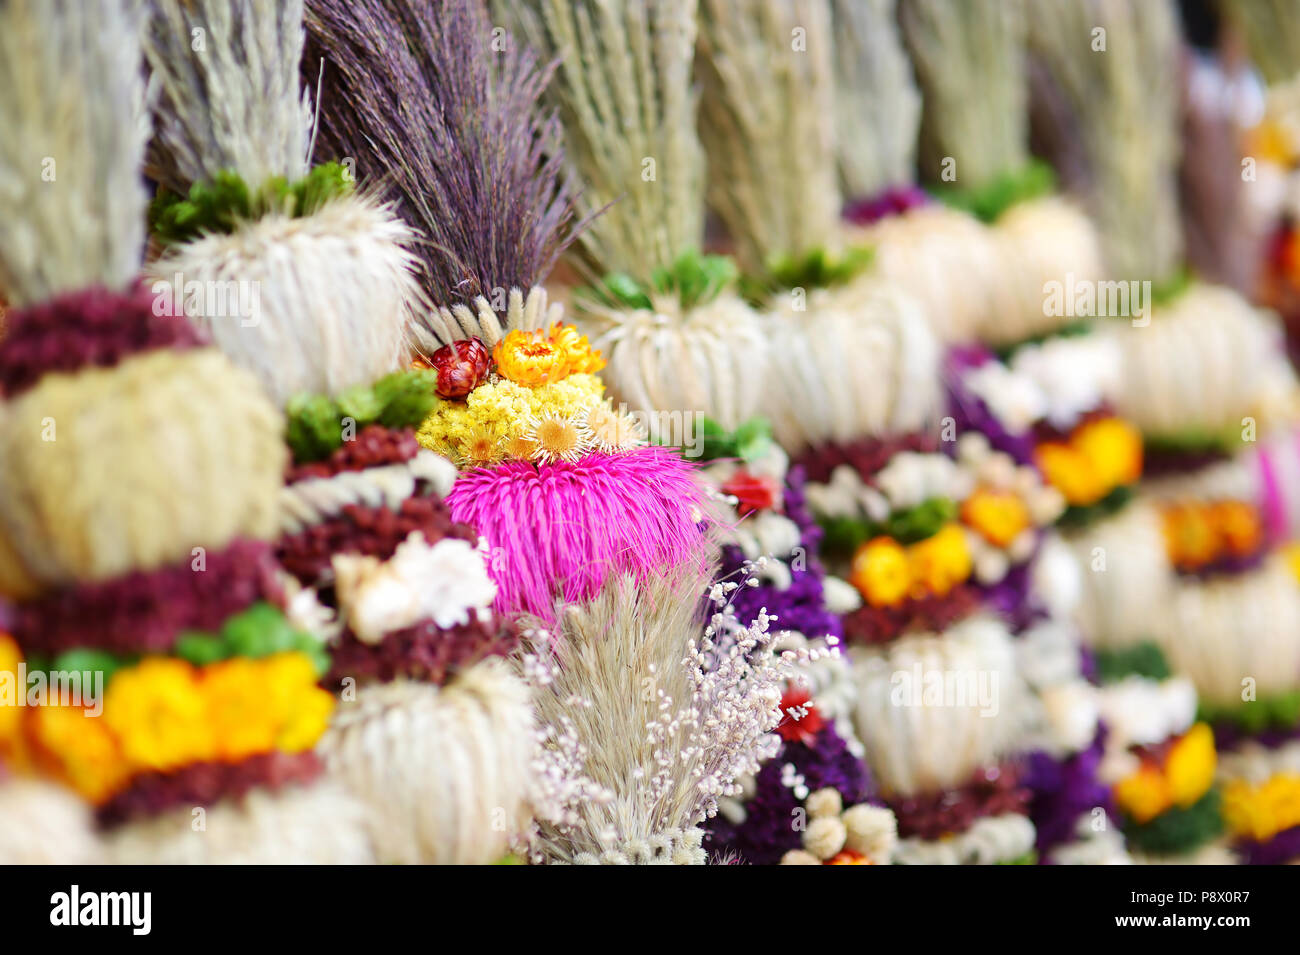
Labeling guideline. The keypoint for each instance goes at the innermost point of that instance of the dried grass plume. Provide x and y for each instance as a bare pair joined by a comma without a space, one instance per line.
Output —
75,127
226,72
767,117
660,715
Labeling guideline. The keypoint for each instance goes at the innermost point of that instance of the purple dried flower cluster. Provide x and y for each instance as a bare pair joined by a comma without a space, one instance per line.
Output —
89,328
1228,736
1282,849
449,128
1063,790
143,612
767,833
970,411
891,202
802,605
1013,599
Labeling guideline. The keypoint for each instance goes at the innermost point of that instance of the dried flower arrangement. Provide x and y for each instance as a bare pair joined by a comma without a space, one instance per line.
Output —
1200,367
656,721
676,334
154,582
970,63
849,358
520,405
939,254
317,278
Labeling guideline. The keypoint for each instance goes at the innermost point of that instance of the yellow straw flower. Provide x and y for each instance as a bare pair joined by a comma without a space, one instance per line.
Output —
10,716
940,562
578,353
1145,794
531,358
237,703
1114,448
79,749
159,713
1190,765
302,707
881,572
1261,811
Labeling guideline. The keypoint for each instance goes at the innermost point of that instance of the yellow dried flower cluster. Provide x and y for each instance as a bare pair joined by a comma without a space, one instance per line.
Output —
503,419
164,713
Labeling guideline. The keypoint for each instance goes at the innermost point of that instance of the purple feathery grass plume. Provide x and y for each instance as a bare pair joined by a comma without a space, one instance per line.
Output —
1282,849
767,831
972,414
450,129
560,530
1063,790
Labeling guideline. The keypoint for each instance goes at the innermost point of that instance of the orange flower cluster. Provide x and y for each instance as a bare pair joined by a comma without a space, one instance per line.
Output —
997,516
1099,456
1199,534
886,573
538,358
1260,811
1185,775
164,713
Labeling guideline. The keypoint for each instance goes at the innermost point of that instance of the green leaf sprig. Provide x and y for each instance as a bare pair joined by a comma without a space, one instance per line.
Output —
221,205
989,201
694,279
402,399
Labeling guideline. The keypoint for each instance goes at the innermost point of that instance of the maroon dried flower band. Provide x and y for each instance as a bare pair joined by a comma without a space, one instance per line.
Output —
930,614
204,784
368,531
995,791
424,652
143,612
866,456
94,327
373,446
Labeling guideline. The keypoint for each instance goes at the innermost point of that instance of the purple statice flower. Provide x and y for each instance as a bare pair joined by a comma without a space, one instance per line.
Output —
1012,598
1063,790
971,413
1279,850
768,833
891,202
802,605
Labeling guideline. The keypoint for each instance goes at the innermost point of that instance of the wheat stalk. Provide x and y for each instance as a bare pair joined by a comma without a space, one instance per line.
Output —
969,61
75,126
877,104
1123,104
767,114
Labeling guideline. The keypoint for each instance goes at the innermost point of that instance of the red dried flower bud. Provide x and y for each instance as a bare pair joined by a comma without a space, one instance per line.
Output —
462,366
800,720
752,493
